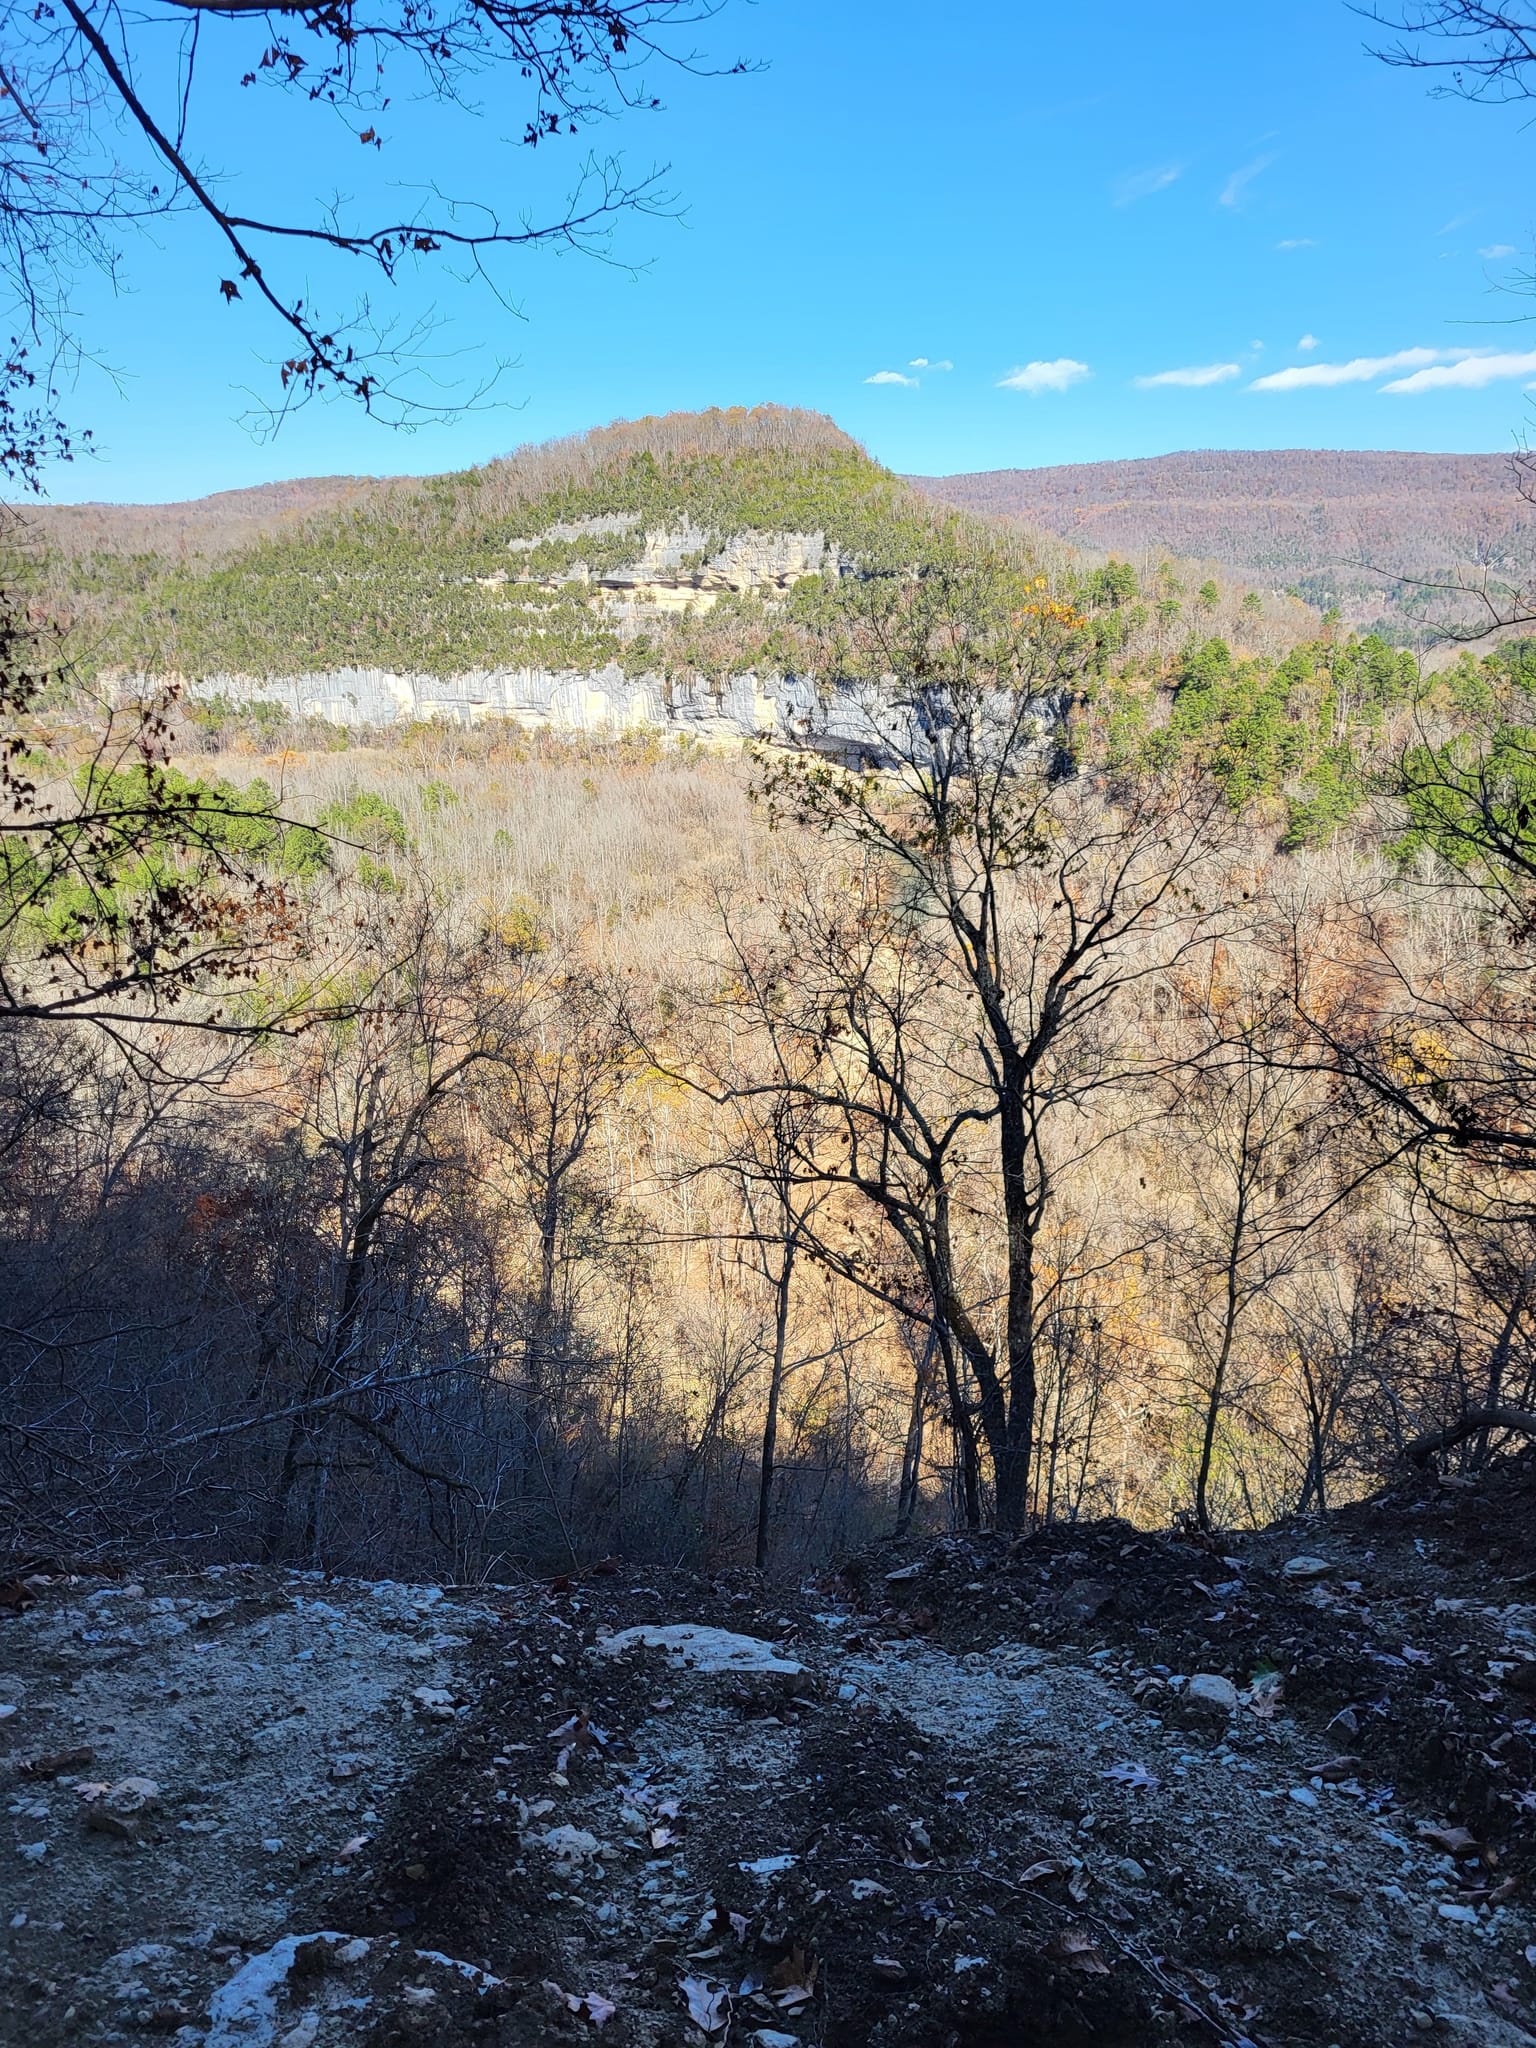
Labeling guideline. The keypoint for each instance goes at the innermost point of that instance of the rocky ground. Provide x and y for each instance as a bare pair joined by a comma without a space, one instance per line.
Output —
1094,1786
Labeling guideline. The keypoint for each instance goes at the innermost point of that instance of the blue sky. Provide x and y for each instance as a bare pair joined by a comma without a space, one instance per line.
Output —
1051,235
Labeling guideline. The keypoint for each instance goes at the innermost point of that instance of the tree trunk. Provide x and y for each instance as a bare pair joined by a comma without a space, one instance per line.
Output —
964,1431
1230,1312
912,1450
771,1418
1423,1448
1013,1456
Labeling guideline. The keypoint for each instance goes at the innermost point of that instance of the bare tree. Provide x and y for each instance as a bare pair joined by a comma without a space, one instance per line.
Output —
1261,1129
95,138
998,912
543,1111
378,1095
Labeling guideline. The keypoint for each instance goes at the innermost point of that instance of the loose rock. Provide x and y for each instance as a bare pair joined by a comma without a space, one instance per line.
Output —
1212,1693
123,1808
1305,1568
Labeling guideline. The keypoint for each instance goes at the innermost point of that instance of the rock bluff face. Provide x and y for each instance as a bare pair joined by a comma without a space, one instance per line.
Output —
678,568
608,700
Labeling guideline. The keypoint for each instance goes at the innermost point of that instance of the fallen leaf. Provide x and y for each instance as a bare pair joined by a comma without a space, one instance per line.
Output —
1075,1949
1048,1866
1135,1776
1454,1841
793,1978
708,2004
1502,1995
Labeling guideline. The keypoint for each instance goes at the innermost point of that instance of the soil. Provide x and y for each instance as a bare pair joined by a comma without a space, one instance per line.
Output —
990,1807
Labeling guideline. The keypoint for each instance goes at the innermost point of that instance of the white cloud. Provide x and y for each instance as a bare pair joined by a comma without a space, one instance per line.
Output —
1194,379
1142,184
1359,370
1297,242
1470,373
1240,180
1034,378
1423,369
1497,249
892,377
1307,341
922,363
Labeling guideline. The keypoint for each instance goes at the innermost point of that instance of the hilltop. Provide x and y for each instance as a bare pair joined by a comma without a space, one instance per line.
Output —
688,552
1333,525
557,557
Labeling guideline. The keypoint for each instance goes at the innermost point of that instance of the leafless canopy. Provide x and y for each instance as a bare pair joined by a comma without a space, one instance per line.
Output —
99,132
1482,52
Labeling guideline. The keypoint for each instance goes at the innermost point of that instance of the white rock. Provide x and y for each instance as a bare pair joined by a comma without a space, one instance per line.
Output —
482,1979
1464,1916
1303,1795
712,1650
1208,1689
571,1845
31,1852
1307,1568
243,2012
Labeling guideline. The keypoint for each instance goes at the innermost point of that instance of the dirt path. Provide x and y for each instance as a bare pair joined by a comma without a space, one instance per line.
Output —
971,1798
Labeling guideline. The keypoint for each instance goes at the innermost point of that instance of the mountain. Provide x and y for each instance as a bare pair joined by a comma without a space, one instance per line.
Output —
1335,526
196,526
652,546
668,571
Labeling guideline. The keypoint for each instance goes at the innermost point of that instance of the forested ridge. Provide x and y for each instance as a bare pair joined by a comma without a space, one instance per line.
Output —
502,565
1361,529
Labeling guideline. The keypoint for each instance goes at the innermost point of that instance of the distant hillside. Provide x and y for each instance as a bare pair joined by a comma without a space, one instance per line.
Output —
673,541
690,548
199,526
1332,525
